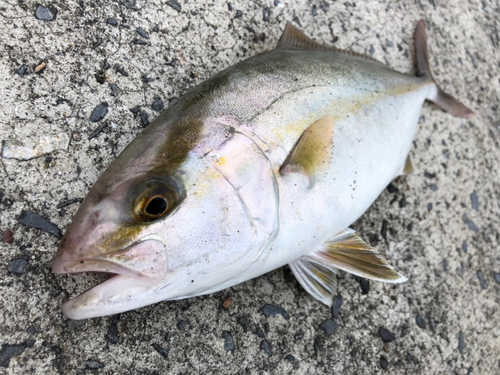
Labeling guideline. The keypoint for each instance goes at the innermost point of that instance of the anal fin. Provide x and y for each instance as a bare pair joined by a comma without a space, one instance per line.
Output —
348,252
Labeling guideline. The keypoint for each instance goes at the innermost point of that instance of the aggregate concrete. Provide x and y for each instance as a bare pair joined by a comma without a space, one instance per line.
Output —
65,64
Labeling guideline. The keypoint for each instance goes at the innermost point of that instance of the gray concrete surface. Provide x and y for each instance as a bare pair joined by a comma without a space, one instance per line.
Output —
439,227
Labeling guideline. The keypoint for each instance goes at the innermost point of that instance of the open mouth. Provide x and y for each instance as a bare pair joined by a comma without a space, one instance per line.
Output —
138,267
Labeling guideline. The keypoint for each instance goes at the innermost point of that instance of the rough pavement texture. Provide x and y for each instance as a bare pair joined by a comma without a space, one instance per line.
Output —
439,227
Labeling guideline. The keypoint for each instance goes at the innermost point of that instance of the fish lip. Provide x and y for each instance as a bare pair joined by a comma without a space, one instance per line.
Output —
99,265
116,295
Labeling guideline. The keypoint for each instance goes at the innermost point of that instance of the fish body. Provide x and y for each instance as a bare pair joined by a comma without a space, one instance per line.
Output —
267,163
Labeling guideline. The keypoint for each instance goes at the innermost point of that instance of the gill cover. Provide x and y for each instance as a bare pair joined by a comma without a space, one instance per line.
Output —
243,165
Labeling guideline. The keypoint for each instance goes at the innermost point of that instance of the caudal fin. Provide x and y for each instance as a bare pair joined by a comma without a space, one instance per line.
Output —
439,97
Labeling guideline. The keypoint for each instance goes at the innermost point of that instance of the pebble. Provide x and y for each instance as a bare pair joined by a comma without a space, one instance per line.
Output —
142,32
299,335
128,3
105,64
317,346
96,132
364,283
160,350
7,236
144,119
329,326
384,363
497,277
461,342
72,324
139,42
228,341
420,321
481,280
99,112
227,303
290,358
389,43
45,13
97,43
472,226
474,200
23,70
157,105
17,265
337,302
445,265
40,67
314,11
69,201
112,22
383,230
265,346
36,221
174,4
9,351
272,311
93,365
386,335
265,14
100,77
239,14
402,203
112,335
391,188
120,70
243,322
260,332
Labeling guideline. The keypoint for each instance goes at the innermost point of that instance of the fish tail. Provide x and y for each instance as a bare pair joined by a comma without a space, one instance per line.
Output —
437,96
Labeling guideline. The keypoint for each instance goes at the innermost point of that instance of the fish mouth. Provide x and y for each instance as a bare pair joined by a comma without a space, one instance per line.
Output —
132,274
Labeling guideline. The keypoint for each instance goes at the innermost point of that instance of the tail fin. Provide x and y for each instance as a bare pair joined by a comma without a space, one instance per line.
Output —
439,97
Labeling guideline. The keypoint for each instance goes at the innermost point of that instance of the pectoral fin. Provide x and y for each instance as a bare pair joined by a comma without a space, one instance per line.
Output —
348,252
312,153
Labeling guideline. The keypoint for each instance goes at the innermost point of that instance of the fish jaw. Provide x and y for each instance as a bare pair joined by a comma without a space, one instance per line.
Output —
118,294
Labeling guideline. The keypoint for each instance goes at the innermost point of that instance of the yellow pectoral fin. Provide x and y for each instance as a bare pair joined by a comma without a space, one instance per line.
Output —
312,154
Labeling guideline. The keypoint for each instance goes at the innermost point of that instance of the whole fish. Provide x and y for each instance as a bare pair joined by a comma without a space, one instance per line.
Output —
267,163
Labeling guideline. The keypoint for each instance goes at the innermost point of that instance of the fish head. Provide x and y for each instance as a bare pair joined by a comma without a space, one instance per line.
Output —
165,232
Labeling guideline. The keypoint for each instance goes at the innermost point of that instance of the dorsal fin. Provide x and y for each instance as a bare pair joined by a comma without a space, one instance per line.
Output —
294,39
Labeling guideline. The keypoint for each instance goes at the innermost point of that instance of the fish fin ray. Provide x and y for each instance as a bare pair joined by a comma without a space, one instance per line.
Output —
318,280
408,167
348,252
439,97
312,153
294,39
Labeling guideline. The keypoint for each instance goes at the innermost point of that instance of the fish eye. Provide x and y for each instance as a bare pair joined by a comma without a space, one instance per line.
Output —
153,199
156,206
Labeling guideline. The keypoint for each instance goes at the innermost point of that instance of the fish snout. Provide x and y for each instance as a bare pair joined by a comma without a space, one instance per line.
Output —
96,243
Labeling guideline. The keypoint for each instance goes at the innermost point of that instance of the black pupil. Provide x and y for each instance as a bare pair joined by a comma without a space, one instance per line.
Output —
156,206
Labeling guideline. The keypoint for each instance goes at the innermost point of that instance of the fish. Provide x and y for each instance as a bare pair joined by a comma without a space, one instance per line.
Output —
267,163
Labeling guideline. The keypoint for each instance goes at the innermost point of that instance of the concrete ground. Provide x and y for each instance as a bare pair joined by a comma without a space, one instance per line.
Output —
439,227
